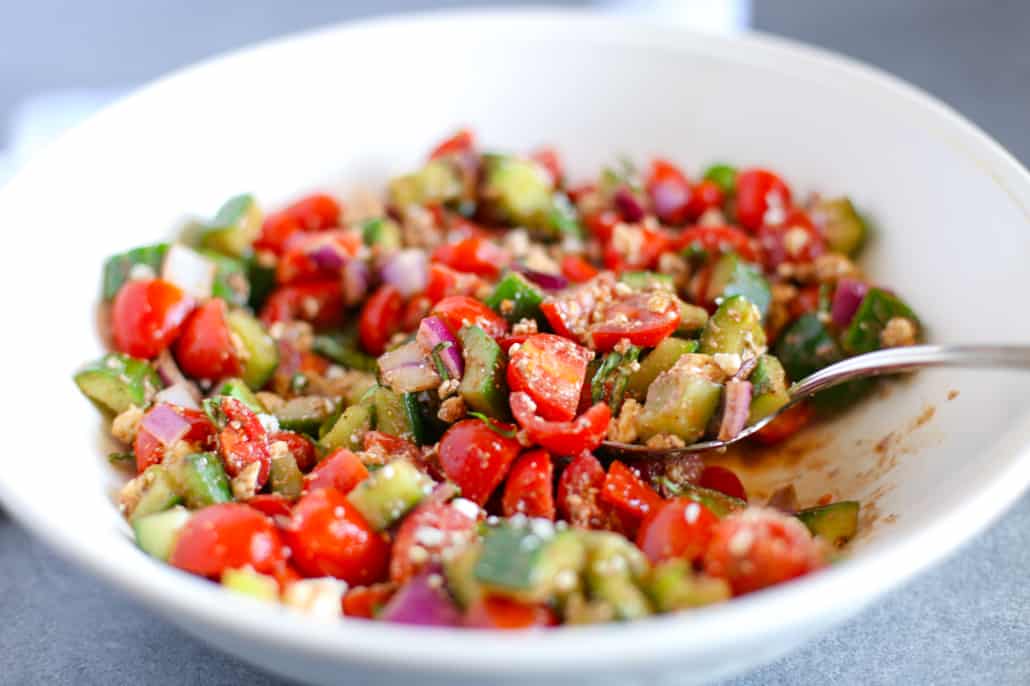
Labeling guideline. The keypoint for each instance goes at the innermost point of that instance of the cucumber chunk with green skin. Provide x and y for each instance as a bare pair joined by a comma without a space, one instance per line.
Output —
718,502
724,176
682,400
382,233
877,308
413,411
768,388
657,361
250,583
200,479
117,381
518,192
806,347
231,283
391,415
390,493
530,561
285,477
305,413
438,181
844,229
836,523
237,388
120,268
525,298
733,276
261,277
342,348
261,351
460,572
674,585
644,280
483,386
158,493
156,533
692,319
614,569
564,217
608,382
735,328
349,429
234,228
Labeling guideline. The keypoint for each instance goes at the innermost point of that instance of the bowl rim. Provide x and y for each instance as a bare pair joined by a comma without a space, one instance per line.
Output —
804,602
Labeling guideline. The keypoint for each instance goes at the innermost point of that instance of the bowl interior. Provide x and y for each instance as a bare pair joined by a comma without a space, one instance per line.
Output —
350,107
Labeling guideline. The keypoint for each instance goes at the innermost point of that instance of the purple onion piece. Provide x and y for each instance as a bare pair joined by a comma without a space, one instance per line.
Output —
177,394
736,406
327,256
165,424
356,280
422,601
549,282
431,333
846,299
628,204
407,271
669,199
785,499
406,369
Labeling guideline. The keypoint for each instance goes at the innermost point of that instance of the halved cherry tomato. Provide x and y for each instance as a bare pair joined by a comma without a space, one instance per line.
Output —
562,438
505,342
317,212
367,601
645,319
444,282
204,349
718,239
677,528
795,240
760,547
571,312
462,141
293,362
625,490
476,255
318,302
723,480
579,489
669,191
243,440
316,256
341,469
271,504
379,319
301,447
576,269
548,159
551,369
498,612
756,189
704,196
329,537
415,310
643,254
461,310
389,447
227,536
786,425
147,316
528,490
452,529
476,458
602,224
150,451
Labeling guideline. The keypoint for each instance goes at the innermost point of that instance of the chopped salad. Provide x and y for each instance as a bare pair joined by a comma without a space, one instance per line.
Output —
395,410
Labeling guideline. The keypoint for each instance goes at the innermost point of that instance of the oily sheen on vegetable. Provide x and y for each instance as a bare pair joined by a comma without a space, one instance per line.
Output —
394,412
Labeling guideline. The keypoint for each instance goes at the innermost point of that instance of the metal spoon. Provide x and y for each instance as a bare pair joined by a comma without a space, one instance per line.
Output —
889,361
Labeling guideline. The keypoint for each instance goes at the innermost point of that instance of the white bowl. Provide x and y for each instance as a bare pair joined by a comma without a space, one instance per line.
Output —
352,105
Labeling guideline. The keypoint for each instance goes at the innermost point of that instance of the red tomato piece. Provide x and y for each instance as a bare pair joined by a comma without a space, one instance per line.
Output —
795,240
318,302
579,489
301,447
205,350
316,256
806,301
760,547
367,601
271,504
389,447
462,141
644,254
571,312
317,212
625,490
576,269
551,369
475,254
147,316
529,489
150,451
786,425
548,159
379,319
476,458
498,612
329,537
644,319
444,282
415,310
602,224
243,440
460,310
425,534
723,480
566,437
340,469
677,528
669,191
757,189
227,536
705,195
718,239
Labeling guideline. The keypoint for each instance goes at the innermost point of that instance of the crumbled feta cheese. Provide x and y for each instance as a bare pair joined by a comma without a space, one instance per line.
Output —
321,598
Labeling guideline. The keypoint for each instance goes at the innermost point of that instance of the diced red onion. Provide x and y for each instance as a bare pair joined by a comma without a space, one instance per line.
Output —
431,333
407,271
736,406
422,601
189,270
550,282
165,424
356,279
628,204
178,394
327,256
785,499
846,299
668,199
169,372
407,369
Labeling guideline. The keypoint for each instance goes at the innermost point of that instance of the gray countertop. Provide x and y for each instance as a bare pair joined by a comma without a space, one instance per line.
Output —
966,621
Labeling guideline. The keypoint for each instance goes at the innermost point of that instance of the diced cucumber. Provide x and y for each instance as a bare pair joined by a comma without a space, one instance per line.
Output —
692,319
390,492
609,381
529,560
349,429
564,217
254,584
343,349
460,571
877,308
391,416
733,276
156,533
641,281
736,327
718,502
657,361
483,386
436,182
416,419
681,401
614,569
305,413
157,495
843,227
724,176
200,479
674,585
234,228
231,283
117,381
518,192
285,477
121,267
806,347
768,388
261,276
261,351
381,232
525,298
237,388
837,522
